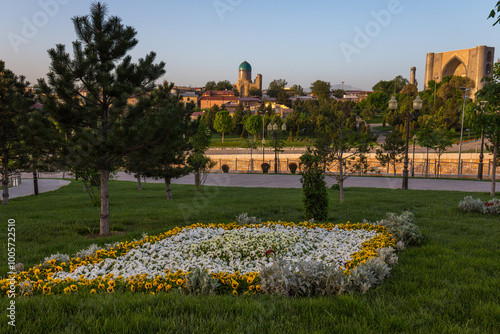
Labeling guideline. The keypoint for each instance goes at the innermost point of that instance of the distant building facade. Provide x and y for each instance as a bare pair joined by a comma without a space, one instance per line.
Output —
216,97
475,63
245,83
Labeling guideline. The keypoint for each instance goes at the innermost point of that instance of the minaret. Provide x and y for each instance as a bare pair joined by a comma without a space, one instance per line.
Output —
412,75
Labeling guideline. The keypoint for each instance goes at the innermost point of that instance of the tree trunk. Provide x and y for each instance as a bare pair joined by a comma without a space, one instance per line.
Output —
104,221
35,182
341,181
427,164
394,166
168,188
139,184
494,171
223,138
197,177
5,179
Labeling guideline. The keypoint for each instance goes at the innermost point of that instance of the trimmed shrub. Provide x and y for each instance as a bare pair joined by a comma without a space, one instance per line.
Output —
265,167
225,168
293,167
314,187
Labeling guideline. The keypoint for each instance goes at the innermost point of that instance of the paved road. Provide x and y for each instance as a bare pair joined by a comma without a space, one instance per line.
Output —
49,183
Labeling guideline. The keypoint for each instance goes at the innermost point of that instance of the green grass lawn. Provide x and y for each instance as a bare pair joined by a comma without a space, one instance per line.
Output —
450,284
237,141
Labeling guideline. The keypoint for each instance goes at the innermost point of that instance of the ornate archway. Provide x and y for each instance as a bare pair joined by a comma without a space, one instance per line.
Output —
455,67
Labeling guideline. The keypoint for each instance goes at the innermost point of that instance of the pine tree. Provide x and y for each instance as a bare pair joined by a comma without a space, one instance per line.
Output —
14,101
166,128
91,89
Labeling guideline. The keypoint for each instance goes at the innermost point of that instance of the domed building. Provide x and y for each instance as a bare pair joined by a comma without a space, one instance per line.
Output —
245,79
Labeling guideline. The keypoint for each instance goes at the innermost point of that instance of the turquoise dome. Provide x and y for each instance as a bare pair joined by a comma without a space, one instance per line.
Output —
245,66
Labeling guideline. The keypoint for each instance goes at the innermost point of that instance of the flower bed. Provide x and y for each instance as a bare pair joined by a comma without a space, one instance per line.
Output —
224,258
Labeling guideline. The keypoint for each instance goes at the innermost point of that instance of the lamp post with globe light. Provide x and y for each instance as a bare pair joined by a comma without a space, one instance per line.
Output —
274,129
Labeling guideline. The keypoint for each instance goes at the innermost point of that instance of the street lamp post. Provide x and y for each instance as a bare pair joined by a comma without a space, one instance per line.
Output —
274,129
413,158
462,132
481,155
417,105
263,139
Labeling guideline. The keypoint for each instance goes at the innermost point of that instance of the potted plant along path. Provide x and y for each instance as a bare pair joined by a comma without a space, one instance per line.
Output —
265,167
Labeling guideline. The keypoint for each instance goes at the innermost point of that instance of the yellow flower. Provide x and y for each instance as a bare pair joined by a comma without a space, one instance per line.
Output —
152,293
234,285
251,287
235,293
132,288
250,280
111,284
73,287
110,289
148,285
257,287
67,290
46,289
93,292
101,286
179,281
168,287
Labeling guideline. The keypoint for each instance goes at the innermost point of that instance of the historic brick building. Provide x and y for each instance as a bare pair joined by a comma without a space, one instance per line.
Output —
475,63
245,80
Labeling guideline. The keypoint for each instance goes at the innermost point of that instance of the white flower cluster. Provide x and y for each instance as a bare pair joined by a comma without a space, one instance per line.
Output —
247,249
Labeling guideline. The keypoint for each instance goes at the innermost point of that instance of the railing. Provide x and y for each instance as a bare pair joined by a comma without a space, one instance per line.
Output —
14,179
417,168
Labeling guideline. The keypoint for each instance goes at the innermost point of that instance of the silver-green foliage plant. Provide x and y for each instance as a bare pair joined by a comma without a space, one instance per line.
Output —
243,219
304,278
469,204
200,282
402,227
58,257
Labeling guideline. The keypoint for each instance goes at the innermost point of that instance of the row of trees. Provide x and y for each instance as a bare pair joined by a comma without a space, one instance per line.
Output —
86,124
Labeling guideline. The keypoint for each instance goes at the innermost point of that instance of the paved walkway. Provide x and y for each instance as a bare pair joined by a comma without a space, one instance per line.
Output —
49,183
44,185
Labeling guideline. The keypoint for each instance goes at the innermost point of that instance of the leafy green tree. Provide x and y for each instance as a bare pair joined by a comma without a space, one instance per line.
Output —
223,122
321,89
378,100
275,87
255,92
283,99
197,160
443,139
166,128
210,85
237,119
315,196
224,85
392,86
254,125
394,148
91,91
426,138
495,13
339,93
368,112
340,141
297,90
489,118
14,100
209,116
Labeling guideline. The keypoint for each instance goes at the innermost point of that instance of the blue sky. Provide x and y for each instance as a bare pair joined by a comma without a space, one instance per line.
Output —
358,42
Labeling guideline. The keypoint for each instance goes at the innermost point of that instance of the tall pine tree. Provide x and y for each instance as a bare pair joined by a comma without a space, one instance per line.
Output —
15,100
87,94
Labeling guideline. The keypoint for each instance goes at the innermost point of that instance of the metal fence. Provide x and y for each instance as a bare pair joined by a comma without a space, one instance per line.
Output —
417,168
